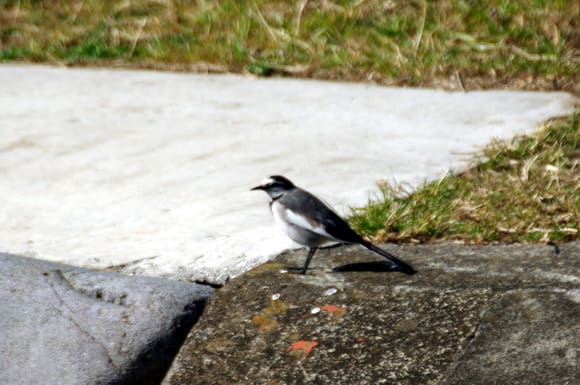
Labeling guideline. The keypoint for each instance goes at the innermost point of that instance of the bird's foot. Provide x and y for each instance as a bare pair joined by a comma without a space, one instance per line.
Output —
295,270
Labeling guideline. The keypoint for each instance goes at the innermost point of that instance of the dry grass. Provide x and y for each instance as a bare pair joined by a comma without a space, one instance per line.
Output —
518,43
526,189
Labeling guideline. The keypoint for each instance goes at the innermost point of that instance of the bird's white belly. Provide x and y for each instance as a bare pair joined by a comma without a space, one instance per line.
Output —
298,234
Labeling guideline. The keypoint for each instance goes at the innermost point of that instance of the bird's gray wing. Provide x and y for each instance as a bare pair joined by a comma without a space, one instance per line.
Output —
307,211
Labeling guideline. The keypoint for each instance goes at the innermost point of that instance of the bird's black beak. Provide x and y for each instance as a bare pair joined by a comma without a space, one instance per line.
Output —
257,188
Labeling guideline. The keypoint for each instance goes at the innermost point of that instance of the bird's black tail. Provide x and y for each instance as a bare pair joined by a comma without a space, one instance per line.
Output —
402,266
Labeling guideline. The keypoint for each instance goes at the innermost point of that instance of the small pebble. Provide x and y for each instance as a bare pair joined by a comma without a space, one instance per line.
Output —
275,296
315,310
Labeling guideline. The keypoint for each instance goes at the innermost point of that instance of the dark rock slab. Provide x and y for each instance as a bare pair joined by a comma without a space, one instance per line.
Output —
526,337
63,325
472,315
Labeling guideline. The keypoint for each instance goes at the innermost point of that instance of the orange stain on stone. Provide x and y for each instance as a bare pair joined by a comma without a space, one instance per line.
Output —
334,310
264,324
305,346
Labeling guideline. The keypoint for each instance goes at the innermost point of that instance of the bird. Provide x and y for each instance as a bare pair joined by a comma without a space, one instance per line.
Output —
310,222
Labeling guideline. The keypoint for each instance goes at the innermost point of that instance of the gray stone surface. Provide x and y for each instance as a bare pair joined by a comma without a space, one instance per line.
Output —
472,315
526,337
61,325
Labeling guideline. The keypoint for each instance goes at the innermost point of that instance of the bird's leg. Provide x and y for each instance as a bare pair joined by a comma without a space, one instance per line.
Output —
311,252
302,270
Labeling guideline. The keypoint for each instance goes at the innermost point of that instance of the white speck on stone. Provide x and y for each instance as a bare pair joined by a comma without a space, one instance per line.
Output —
571,356
574,295
315,310
330,291
566,278
275,297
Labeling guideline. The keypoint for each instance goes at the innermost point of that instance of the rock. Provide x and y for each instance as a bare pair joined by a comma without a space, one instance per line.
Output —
526,337
472,315
70,326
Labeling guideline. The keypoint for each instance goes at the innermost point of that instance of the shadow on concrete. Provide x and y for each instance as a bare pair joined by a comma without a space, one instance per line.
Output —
152,365
377,267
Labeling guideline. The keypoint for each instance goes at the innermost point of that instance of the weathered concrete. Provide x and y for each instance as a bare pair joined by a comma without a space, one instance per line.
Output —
61,325
472,315
150,171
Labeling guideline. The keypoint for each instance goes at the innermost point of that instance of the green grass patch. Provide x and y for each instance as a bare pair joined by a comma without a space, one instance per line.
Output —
407,42
525,189
92,46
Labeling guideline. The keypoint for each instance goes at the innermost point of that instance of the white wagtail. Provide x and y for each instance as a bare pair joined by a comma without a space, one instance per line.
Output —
310,222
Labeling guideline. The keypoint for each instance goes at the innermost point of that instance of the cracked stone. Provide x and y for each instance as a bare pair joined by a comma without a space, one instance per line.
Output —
70,326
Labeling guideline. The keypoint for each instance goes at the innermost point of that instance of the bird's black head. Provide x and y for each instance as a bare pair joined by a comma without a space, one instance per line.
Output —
275,186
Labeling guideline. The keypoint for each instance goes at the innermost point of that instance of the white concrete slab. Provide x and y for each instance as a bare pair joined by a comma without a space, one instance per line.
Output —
152,170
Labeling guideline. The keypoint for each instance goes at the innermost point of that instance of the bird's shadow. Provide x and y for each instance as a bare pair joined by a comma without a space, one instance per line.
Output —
376,267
